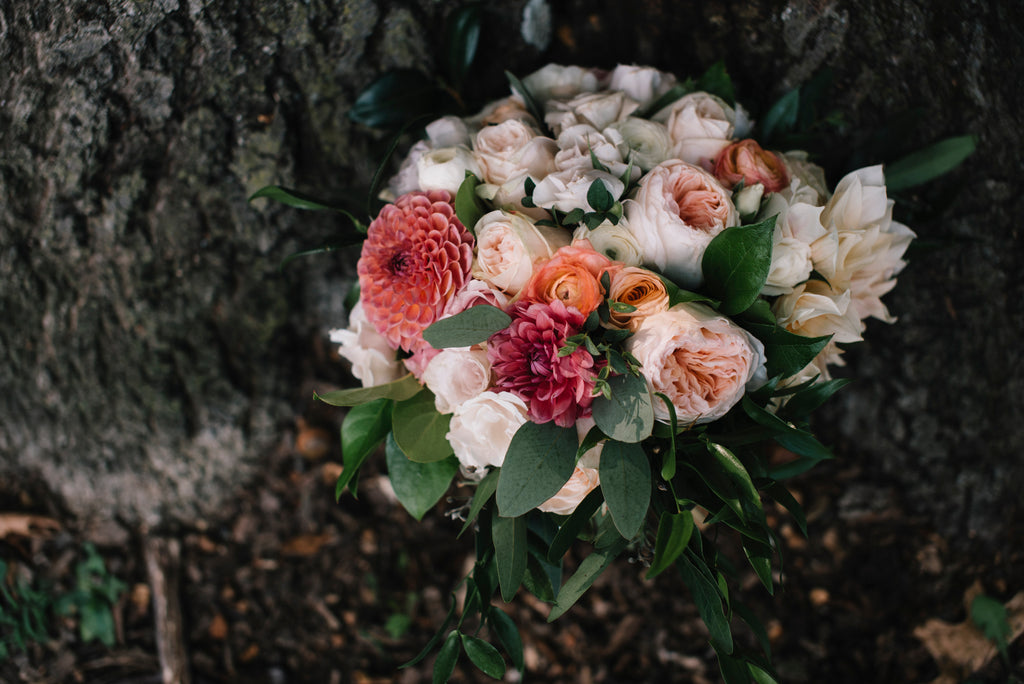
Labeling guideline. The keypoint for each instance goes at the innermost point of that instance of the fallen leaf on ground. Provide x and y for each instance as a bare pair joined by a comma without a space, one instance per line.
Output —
26,525
305,544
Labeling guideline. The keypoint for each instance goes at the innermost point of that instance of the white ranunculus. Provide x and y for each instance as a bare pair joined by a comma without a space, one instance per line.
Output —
508,245
445,168
373,361
456,376
700,126
511,149
567,190
813,309
482,428
577,143
448,131
678,209
615,241
598,110
641,83
555,81
645,143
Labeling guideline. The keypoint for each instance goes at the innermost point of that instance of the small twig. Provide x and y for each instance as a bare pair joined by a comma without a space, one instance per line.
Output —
162,563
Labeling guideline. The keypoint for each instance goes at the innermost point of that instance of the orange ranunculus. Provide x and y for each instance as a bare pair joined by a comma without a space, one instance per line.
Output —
745,160
641,289
573,276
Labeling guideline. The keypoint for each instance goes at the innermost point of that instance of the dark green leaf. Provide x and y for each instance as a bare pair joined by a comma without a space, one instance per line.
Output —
537,580
673,94
293,198
736,264
483,494
796,440
760,676
786,353
736,472
734,670
677,295
668,461
574,524
589,570
931,162
760,557
674,530
708,600
540,459
509,535
363,429
802,403
629,415
991,618
779,492
469,327
755,626
418,486
531,104
462,35
444,666
781,118
396,97
599,198
507,632
468,206
484,656
420,430
717,82
626,485
405,387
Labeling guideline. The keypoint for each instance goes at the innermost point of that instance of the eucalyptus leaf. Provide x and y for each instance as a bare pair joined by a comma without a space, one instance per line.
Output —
466,328
802,403
736,265
484,656
589,570
735,471
760,676
418,486
928,163
781,495
363,429
626,485
628,416
510,553
405,387
760,557
674,531
540,459
420,430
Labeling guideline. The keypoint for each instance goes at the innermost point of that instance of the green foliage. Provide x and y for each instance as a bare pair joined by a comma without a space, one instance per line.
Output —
96,592
469,207
628,414
626,485
736,264
991,618
24,615
418,486
420,430
364,428
510,554
929,162
540,459
397,97
674,531
466,328
461,38
405,387
716,81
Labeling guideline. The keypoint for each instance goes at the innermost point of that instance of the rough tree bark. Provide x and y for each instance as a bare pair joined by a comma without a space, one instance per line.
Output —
149,348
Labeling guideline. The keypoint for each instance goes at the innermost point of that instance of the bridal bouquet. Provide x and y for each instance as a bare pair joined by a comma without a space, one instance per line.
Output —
603,305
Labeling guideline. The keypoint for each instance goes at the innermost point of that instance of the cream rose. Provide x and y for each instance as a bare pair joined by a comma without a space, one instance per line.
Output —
372,358
807,179
645,143
598,110
677,211
482,428
797,226
445,168
615,241
456,376
700,360
511,149
641,289
814,309
641,83
582,481
567,190
700,126
508,246
555,81
577,143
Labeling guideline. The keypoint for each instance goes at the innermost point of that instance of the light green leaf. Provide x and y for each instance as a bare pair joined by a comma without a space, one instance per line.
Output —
418,486
931,162
540,459
628,416
399,390
760,676
510,553
626,485
420,430
505,629
674,531
736,264
466,328
484,656
363,429
589,570
444,666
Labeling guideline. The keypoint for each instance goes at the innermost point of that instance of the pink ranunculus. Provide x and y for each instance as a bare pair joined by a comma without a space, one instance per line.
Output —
745,160
416,256
525,361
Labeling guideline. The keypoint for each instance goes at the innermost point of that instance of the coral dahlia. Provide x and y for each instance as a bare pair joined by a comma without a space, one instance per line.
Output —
416,256
525,361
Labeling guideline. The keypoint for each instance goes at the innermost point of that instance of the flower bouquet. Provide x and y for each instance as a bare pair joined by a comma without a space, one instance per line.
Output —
603,305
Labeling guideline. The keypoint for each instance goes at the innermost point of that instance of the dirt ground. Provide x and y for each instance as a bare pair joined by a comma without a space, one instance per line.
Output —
289,586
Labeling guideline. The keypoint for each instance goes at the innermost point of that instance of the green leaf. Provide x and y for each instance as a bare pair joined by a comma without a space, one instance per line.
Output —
736,264
802,403
760,676
363,429
507,632
420,430
677,295
466,328
781,118
796,440
574,524
405,387
468,205
509,535
786,353
599,198
626,485
717,82
708,599
734,670
781,495
668,461
628,416
540,459
674,531
444,666
483,494
589,570
484,656
462,36
738,474
396,97
292,198
760,557
673,94
537,580
990,617
418,486
531,104
928,163
760,633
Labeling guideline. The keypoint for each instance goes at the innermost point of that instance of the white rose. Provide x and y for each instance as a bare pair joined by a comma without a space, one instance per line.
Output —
678,209
373,360
456,376
482,428
408,177
748,200
797,226
445,168
807,179
643,84
448,131
511,149
615,241
509,196
700,126
645,143
508,245
577,143
567,190
555,81
598,110
814,309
